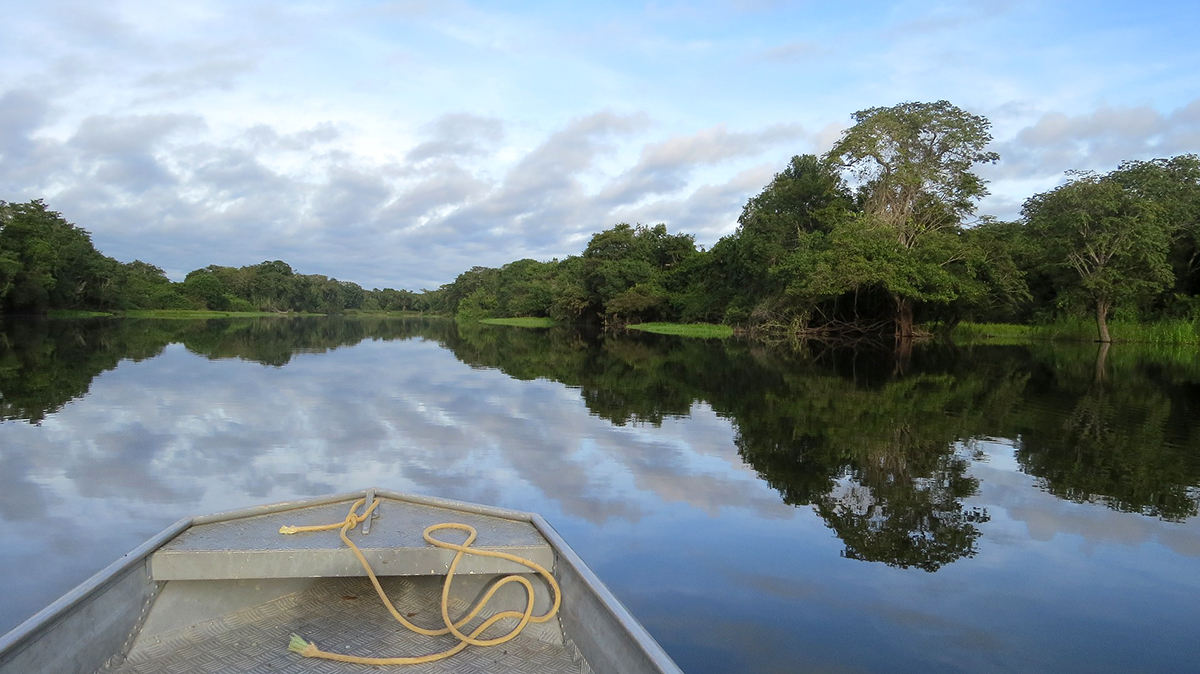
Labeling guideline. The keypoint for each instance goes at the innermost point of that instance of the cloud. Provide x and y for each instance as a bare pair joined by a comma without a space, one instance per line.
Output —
1035,157
952,18
263,137
447,186
458,135
349,200
182,192
1099,139
710,211
666,166
217,73
551,169
27,162
792,52
121,150
542,197
22,112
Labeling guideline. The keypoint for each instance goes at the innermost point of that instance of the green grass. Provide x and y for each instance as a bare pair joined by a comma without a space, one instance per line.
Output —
702,330
1079,329
992,333
381,312
191,313
522,322
73,313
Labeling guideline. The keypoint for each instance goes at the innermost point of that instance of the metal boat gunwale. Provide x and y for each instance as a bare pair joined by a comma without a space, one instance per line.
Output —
60,607
32,629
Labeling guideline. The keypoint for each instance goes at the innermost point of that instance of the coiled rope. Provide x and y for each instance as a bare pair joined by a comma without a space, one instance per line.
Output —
309,649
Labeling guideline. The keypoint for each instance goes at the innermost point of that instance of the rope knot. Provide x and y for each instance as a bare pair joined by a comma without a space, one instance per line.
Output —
353,519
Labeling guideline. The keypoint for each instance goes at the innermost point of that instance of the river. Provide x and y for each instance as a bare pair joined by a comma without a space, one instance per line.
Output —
759,508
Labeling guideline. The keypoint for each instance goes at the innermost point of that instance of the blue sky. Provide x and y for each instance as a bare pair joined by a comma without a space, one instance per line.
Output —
399,143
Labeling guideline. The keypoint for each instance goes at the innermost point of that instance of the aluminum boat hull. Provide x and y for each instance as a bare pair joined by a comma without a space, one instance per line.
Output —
221,593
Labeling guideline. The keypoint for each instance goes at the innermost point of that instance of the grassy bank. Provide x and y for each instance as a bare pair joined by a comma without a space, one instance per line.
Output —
523,322
702,330
189,313
1080,330
992,333
379,312
72,313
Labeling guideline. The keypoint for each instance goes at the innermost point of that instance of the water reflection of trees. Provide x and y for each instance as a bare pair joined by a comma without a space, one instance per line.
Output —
1119,429
884,463
44,364
880,449
881,459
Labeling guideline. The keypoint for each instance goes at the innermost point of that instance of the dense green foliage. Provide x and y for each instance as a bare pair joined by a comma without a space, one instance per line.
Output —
872,239
1105,245
49,264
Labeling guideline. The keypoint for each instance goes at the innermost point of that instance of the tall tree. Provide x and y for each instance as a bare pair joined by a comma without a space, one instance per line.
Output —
808,196
1103,243
1173,184
913,165
49,263
626,268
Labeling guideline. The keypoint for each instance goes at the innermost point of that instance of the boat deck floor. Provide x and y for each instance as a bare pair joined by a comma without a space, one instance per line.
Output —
344,615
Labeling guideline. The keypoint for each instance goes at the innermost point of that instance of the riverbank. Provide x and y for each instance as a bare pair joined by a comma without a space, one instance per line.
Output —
1079,330
701,330
205,313
520,322
698,330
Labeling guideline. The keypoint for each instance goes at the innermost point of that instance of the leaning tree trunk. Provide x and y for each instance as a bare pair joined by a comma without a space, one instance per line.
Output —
1102,321
904,318
1101,371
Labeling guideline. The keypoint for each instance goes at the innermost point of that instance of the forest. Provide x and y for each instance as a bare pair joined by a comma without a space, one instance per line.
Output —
47,263
880,236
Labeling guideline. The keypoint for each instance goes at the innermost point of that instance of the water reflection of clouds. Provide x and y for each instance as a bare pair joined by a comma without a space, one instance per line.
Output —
179,435
669,515
1022,513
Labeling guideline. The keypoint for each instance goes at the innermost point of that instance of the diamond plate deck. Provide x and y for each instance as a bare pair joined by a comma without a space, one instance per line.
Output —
345,616
252,547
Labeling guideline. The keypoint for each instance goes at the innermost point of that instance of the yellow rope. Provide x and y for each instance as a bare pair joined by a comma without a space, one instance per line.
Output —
353,519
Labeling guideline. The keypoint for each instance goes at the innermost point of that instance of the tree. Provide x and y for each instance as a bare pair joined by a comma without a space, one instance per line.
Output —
1173,184
912,163
807,196
146,286
625,269
1104,244
207,289
993,287
49,263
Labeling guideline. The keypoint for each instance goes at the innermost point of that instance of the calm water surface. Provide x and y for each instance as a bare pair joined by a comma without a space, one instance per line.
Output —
983,509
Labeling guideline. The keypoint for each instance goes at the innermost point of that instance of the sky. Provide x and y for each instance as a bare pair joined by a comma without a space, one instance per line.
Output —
397,144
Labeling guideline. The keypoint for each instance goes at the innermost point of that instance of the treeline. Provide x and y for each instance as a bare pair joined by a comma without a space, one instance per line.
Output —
878,236
47,263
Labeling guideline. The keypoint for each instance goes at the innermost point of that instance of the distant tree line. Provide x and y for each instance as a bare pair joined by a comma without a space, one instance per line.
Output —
878,236
47,263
